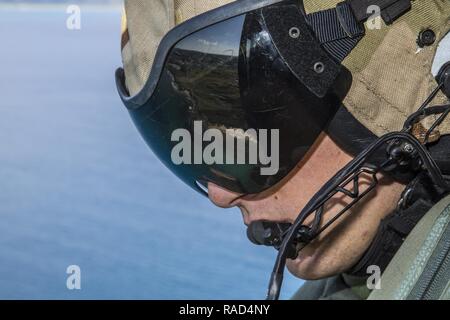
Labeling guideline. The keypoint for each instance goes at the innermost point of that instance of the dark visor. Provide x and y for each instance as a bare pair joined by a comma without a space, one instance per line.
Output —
232,78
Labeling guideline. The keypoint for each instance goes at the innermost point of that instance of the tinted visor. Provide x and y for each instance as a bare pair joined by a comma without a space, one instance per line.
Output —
224,87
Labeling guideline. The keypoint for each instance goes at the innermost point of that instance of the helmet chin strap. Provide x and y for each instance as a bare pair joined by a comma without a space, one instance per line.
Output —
403,152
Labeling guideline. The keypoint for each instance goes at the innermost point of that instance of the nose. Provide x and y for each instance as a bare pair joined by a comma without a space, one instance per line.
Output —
221,197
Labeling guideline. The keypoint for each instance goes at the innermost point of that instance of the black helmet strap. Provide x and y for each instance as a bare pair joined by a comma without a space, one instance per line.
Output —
340,29
391,10
337,30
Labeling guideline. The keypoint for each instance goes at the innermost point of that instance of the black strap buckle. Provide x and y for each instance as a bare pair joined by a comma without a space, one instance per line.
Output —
390,10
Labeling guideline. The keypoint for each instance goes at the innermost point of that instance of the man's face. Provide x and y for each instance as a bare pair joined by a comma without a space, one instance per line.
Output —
340,246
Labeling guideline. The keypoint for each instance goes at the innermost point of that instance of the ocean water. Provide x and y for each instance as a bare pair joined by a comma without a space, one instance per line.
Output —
79,187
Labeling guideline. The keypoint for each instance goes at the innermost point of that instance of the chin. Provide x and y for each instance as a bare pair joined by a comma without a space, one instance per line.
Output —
309,267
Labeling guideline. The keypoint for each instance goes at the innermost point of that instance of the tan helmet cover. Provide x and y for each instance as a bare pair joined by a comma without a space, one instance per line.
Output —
391,74
145,22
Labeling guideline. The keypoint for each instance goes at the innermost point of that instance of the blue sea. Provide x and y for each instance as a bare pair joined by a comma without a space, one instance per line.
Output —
78,186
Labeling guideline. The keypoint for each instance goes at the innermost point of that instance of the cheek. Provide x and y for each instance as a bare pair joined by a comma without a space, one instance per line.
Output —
283,205
291,200
272,209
